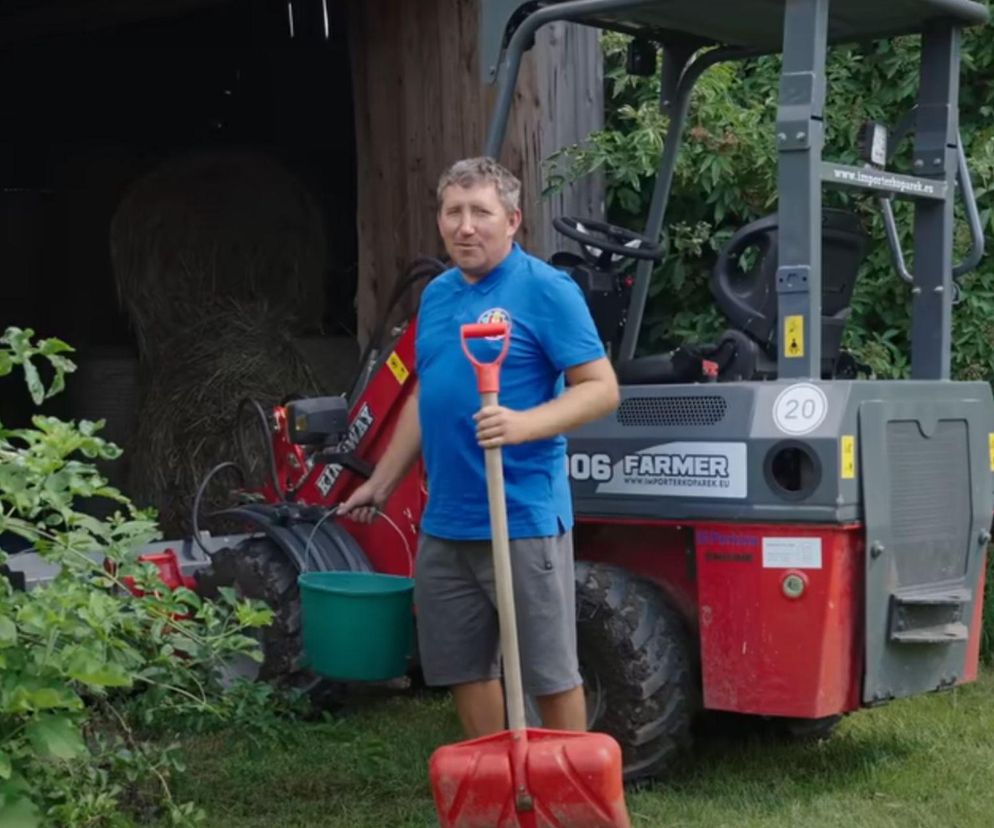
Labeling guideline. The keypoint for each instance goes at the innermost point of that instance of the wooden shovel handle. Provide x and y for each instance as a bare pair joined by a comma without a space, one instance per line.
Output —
513,689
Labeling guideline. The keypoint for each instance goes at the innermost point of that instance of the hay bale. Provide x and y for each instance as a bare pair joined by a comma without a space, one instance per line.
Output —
228,350
233,224
334,361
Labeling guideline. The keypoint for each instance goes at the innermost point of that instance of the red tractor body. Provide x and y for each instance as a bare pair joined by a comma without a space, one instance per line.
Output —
773,640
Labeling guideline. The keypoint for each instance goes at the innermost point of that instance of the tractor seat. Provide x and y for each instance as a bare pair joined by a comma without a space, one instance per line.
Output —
748,297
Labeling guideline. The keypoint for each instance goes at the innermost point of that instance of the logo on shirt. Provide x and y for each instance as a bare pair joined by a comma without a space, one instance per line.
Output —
494,316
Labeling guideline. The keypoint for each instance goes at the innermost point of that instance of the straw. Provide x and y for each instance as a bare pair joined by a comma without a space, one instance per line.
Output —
228,350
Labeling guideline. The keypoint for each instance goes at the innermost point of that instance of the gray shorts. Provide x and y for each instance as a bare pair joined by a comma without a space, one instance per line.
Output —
458,631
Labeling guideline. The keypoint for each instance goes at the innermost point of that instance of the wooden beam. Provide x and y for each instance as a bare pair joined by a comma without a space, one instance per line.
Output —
420,105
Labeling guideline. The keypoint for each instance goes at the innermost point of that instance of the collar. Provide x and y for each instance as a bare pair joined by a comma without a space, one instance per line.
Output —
490,281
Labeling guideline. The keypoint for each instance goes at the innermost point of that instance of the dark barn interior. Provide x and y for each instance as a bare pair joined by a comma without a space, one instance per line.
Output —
97,96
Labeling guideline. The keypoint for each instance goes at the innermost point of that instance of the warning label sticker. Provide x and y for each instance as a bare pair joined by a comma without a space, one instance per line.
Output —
397,368
848,465
793,336
792,553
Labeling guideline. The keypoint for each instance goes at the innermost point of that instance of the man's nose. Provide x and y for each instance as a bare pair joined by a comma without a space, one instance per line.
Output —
466,225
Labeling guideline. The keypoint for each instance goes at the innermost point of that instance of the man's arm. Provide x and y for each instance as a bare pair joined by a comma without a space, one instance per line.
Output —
592,392
401,454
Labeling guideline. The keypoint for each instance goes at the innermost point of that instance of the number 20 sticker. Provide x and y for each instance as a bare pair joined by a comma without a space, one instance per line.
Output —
800,409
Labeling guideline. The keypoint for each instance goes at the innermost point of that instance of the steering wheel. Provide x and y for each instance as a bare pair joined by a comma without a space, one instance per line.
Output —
604,244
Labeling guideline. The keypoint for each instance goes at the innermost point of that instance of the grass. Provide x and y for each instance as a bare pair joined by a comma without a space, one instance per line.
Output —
919,762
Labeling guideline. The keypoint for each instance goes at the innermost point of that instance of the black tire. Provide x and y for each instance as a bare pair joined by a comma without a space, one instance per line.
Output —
634,654
257,568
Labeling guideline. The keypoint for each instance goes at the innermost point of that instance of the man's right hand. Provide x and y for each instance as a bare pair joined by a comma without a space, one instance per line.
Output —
363,504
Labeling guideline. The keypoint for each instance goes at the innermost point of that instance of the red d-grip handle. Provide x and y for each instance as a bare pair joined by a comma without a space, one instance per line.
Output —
487,373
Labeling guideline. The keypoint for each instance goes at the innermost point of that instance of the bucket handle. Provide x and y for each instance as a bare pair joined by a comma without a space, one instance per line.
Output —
308,546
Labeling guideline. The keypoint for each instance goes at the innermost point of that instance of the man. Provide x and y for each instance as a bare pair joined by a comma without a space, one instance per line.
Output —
552,338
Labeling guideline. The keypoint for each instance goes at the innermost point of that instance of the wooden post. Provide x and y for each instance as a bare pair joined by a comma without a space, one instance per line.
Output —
420,105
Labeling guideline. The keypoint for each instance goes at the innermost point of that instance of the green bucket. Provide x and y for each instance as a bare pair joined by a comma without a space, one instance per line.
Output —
356,626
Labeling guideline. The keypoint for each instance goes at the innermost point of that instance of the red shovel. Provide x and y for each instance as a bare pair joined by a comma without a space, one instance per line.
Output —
522,777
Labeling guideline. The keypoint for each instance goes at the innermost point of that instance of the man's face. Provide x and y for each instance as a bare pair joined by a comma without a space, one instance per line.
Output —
476,228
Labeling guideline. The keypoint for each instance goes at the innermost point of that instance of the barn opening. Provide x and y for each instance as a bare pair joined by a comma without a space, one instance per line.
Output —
177,195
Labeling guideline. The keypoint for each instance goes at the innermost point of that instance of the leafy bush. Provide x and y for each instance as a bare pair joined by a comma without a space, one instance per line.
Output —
88,670
726,177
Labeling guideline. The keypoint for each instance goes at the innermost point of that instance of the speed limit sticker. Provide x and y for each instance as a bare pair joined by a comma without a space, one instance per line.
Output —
800,409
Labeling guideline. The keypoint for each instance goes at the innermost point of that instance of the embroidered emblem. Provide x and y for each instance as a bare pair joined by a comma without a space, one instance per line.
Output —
495,315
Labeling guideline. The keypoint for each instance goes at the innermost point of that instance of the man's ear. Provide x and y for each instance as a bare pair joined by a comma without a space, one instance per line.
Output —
514,221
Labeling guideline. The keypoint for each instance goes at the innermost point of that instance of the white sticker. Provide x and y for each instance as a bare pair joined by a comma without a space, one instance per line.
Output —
681,470
792,553
800,409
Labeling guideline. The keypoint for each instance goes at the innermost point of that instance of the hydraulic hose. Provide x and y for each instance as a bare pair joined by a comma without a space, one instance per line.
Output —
201,490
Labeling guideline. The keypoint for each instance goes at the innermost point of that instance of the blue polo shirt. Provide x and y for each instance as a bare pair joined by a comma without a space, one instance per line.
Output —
551,330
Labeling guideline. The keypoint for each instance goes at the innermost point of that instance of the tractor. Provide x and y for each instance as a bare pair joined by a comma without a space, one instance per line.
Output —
759,530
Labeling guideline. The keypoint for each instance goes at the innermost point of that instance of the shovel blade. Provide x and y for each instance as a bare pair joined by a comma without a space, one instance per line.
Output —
572,780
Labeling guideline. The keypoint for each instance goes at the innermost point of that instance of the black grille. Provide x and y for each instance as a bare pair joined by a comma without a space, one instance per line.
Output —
930,508
672,411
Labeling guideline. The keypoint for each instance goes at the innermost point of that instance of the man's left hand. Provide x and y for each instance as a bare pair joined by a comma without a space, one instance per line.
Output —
498,426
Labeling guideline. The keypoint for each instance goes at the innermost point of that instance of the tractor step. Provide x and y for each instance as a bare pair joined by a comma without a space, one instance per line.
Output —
949,597
939,634
932,617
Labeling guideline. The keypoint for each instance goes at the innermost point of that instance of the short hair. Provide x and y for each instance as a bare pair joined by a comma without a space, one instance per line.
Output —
470,172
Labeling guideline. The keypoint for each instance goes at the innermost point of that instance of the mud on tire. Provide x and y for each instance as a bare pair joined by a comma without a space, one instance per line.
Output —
634,655
259,569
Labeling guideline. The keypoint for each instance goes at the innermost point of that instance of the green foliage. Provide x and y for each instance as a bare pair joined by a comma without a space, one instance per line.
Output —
87,670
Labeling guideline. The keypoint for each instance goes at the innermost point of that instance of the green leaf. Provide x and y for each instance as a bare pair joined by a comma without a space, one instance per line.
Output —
254,616
58,385
89,669
33,380
63,365
17,811
51,346
5,767
56,737
188,597
8,632
24,699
